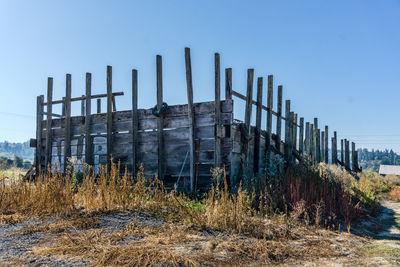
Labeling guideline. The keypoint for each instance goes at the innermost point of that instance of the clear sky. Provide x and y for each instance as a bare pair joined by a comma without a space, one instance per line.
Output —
337,60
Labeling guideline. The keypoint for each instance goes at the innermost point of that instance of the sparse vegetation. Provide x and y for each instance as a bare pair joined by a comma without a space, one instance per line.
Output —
276,226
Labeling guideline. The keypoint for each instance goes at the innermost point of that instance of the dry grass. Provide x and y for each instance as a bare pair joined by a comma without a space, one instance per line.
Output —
245,230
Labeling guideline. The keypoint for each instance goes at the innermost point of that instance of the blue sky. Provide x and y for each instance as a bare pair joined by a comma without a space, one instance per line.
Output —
337,60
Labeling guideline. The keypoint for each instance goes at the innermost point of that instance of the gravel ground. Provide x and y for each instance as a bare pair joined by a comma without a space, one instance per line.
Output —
15,250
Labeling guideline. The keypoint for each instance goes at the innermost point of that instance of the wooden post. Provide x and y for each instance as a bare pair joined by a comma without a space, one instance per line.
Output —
279,119
109,115
307,140
323,146
287,128
334,149
160,125
292,141
257,162
189,85
269,121
353,157
88,139
67,129
326,144
39,119
312,143
114,104
301,138
341,151
98,105
247,117
317,142
228,84
347,154
63,107
135,120
295,131
83,106
217,121
48,124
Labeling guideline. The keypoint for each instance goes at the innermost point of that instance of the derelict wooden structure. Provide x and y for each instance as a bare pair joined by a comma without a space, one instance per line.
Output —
181,143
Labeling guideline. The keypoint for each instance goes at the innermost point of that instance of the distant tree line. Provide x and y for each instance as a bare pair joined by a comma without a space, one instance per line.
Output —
8,150
374,158
17,162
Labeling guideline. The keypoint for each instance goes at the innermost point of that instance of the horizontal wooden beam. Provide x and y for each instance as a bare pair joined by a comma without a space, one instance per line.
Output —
84,98
54,115
239,95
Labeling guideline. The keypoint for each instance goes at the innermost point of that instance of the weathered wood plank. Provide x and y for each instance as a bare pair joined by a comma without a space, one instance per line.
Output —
39,119
247,116
109,113
98,105
135,120
228,84
341,151
347,154
301,137
88,139
191,145
269,121
67,129
218,126
323,145
49,118
160,126
257,164
287,129
326,155
334,148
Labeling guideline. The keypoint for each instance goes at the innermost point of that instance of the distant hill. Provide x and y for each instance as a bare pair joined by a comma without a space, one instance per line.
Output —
23,150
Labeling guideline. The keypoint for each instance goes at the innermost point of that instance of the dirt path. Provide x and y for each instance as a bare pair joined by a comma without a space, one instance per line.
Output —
384,232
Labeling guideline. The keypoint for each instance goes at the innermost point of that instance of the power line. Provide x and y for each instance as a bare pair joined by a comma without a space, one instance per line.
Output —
16,114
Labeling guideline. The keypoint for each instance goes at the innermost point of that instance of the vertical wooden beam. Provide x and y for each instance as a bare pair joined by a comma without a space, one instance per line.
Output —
83,106
247,117
39,130
269,120
347,154
334,149
98,105
228,84
323,146
326,145
287,128
160,121
301,138
88,111
279,119
109,115
295,131
312,142
317,142
67,129
189,85
217,120
135,120
341,151
257,136
114,104
63,107
307,141
292,142
48,124
353,157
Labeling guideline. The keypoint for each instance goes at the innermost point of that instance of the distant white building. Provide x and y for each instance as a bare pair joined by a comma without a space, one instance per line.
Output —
389,169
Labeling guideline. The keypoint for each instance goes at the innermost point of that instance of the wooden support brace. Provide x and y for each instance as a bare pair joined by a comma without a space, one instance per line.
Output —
39,119
217,121
326,155
269,121
279,119
228,84
301,138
